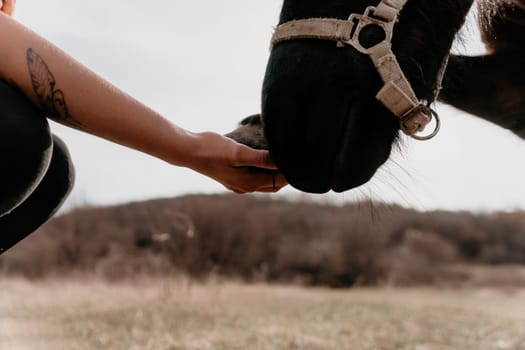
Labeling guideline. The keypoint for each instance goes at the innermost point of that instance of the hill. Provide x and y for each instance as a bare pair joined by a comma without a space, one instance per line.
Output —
256,238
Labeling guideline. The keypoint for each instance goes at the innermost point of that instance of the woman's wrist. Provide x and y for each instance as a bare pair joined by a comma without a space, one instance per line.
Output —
185,149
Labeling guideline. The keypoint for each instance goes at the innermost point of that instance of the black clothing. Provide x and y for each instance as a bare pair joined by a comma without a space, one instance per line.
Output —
36,172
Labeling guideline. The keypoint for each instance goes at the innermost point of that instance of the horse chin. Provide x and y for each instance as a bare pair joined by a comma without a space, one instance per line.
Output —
315,161
362,150
324,136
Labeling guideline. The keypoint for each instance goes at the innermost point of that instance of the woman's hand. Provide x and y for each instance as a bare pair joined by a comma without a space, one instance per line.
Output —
8,6
239,168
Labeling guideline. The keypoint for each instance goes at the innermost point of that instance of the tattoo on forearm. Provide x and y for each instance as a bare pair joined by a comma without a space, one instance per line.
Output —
51,99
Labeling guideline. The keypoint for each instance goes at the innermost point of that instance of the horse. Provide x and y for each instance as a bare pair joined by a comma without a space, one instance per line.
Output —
322,119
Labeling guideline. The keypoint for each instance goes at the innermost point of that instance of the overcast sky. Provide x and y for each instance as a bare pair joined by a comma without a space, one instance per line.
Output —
201,64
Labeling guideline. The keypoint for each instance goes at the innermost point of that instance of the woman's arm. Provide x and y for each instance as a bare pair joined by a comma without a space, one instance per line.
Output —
73,95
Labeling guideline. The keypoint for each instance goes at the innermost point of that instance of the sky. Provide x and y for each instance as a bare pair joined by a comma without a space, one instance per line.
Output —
201,63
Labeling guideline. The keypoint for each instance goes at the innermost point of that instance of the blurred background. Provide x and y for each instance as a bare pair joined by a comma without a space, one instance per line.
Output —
149,256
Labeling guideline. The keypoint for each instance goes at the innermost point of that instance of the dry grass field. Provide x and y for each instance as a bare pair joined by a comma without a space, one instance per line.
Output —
161,314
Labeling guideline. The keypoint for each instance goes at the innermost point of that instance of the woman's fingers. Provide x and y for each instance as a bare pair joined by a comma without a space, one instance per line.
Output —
269,182
8,6
261,182
247,156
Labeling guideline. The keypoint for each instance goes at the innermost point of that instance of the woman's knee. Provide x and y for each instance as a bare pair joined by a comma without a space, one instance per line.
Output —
26,147
43,202
62,169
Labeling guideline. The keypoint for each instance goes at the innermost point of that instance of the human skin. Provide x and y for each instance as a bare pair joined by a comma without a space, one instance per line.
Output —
8,6
75,96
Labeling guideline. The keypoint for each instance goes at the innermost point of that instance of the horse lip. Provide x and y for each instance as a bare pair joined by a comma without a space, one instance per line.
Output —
360,153
308,188
352,161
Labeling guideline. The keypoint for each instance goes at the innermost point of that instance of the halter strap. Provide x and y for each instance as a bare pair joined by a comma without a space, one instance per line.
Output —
396,94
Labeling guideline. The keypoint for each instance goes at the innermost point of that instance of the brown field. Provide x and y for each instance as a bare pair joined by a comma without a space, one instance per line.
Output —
162,314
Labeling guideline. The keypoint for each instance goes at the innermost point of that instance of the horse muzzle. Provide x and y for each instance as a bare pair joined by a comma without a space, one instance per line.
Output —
324,131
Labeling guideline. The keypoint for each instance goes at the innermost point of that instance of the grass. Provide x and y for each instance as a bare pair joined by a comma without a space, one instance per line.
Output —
162,314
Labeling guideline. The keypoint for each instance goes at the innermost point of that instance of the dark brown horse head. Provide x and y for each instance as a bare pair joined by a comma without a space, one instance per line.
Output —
324,126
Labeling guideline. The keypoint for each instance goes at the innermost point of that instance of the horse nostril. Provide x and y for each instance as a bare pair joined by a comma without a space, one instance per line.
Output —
371,35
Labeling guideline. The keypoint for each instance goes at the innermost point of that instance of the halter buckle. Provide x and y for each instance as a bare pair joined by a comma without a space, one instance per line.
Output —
416,119
364,20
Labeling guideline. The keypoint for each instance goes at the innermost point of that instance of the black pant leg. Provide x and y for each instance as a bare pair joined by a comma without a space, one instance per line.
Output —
45,200
25,147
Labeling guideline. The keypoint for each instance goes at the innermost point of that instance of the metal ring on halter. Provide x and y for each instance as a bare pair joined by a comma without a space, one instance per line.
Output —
436,129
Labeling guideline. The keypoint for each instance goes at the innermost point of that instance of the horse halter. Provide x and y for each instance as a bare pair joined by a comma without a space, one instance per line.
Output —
396,94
